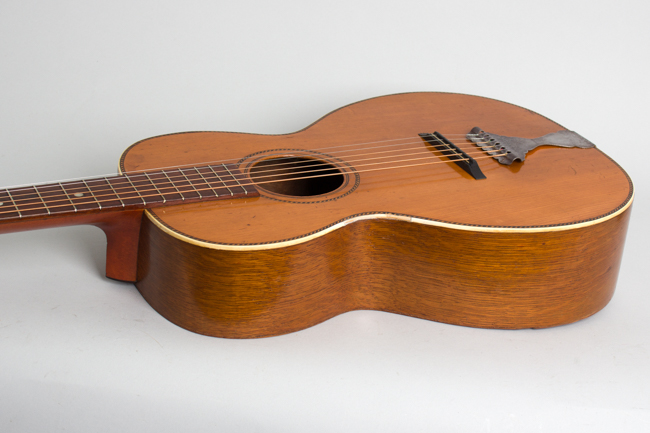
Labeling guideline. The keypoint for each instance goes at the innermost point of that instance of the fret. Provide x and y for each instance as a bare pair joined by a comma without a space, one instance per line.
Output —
104,193
80,195
221,181
6,210
172,183
190,183
155,187
126,192
135,189
93,195
28,201
54,198
146,188
216,194
165,186
114,192
236,180
41,197
68,196
14,202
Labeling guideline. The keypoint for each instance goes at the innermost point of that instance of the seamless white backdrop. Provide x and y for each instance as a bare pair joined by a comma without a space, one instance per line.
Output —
80,81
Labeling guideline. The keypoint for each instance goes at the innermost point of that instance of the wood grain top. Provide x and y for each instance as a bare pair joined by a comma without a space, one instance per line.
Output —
554,186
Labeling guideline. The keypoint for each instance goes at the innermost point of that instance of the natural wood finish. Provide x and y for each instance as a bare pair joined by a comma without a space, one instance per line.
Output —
536,244
122,237
121,229
491,280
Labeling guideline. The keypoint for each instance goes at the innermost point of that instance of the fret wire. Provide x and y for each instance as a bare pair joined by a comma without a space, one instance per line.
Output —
206,182
93,195
135,189
15,205
155,187
172,183
190,182
236,180
44,204
116,194
219,177
68,195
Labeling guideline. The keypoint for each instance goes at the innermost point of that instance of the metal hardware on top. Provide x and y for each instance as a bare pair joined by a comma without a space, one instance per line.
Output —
516,148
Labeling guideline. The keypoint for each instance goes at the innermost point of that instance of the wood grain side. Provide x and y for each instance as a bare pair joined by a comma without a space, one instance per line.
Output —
492,280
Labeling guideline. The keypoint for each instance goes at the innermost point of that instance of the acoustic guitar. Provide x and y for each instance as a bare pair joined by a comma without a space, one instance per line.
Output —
446,207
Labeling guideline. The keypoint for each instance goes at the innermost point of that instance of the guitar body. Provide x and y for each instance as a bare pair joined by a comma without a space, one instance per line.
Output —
535,244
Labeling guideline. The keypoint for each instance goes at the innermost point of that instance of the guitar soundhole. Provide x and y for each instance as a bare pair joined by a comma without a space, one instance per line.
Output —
296,176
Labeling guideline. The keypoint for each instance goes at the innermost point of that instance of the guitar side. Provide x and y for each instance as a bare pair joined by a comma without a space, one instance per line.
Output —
491,280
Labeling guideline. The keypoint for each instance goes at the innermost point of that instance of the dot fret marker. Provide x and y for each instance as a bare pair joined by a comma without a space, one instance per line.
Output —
79,194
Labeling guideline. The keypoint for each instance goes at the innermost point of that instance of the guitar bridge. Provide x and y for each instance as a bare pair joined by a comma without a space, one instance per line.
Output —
454,153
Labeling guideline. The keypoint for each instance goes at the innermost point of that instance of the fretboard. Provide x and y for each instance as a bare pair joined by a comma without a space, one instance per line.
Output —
129,191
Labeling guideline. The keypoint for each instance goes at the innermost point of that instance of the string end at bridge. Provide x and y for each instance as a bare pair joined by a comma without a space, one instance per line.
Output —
454,153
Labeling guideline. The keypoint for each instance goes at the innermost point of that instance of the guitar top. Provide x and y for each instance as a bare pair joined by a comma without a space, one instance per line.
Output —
553,187
447,207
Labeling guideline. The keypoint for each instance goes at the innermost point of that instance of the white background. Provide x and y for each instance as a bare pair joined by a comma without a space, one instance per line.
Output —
80,81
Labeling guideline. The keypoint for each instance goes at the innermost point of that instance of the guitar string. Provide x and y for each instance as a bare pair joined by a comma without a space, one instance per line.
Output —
338,173
269,167
153,171
131,173
139,188
215,162
202,164
150,186
230,183
418,140
375,153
